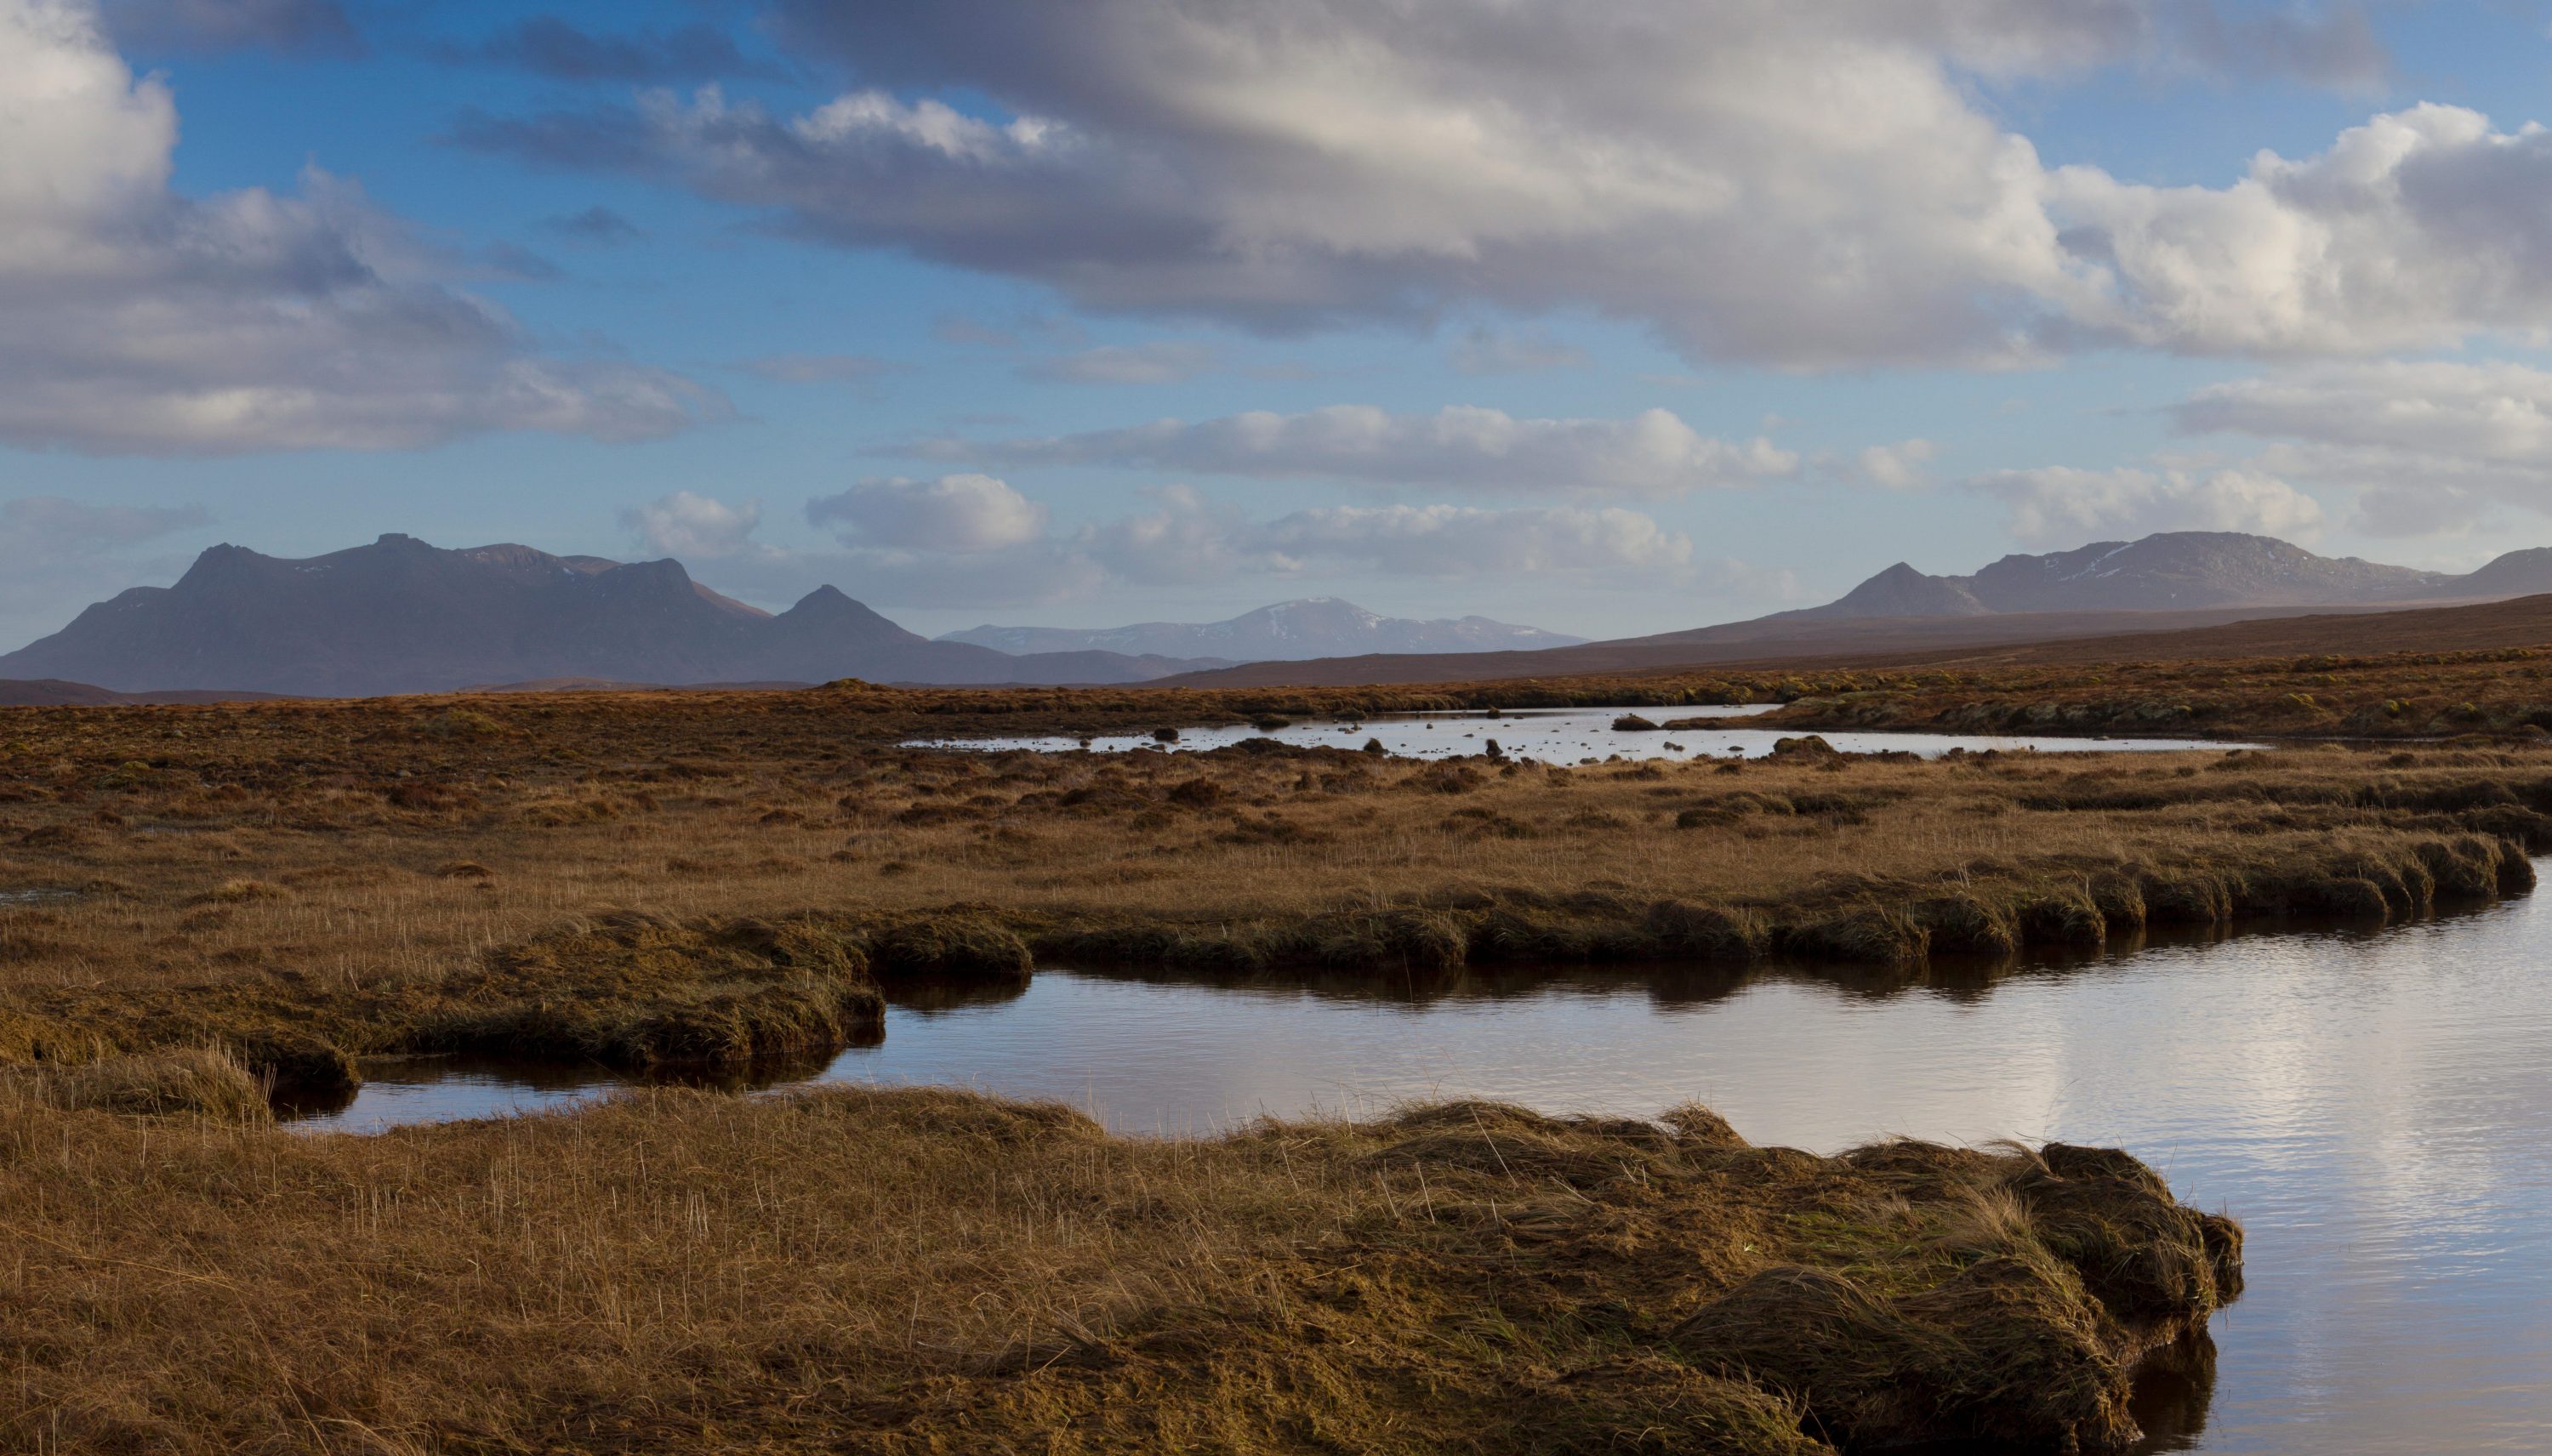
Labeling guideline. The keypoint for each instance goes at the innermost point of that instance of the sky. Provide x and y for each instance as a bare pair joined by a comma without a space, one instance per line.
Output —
1603,319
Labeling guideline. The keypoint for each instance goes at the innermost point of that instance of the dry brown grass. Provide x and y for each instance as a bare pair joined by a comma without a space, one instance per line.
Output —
291,881
930,1270
649,878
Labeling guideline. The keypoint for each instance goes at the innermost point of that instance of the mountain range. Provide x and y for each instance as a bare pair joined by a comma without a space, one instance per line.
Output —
2173,581
1289,631
402,616
2177,571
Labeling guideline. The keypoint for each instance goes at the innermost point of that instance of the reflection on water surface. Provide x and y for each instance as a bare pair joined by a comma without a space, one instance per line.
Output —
1570,736
2374,1106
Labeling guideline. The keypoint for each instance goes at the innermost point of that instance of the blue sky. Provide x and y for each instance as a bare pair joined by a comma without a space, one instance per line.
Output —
998,310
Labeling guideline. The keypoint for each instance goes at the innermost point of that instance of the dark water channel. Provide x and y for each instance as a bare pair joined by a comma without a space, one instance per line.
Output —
2376,1107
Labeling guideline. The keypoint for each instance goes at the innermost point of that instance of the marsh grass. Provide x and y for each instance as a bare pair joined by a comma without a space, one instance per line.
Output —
301,882
932,1271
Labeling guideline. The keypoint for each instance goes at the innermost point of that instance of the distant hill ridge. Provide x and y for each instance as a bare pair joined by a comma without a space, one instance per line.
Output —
2171,582
1312,627
2177,571
402,616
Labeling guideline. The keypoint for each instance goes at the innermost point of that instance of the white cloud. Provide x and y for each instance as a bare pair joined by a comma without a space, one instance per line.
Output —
1448,541
692,527
144,321
971,540
1188,538
1163,362
1650,453
1810,186
2430,446
959,514
2473,411
2062,507
2423,227
1897,466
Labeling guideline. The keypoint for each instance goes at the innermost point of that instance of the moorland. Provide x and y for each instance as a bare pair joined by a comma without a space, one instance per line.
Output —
206,903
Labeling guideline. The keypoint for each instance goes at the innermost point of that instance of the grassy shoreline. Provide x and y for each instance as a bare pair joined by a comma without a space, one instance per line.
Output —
260,895
932,1271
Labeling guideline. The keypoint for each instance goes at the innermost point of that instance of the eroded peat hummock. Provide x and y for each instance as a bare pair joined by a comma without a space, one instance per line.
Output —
932,1270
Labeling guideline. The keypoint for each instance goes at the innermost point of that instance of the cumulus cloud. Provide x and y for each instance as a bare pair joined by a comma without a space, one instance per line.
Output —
2419,228
293,27
1653,453
958,514
144,321
2062,507
692,526
1163,362
2429,445
1807,186
1897,466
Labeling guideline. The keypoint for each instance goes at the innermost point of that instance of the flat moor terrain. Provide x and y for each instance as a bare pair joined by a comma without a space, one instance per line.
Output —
203,903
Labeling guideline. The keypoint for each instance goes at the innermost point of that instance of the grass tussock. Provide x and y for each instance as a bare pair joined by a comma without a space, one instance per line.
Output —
633,990
680,1272
203,1082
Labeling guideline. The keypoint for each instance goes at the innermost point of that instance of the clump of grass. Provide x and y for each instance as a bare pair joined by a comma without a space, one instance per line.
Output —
200,1082
951,947
2062,917
1707,933
634,989
1959,923
1863,933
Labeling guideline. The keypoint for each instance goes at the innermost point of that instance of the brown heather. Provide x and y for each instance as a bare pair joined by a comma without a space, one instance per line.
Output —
256,895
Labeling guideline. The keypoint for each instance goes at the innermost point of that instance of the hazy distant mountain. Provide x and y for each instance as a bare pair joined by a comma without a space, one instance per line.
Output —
402,616
1289,631
2173,571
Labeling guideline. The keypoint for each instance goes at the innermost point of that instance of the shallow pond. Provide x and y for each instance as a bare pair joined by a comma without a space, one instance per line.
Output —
2375,1106
1567,737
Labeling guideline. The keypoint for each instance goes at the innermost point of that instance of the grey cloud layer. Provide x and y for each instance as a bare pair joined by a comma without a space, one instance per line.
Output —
973,541
1649,454
1807,186
2429,445
294,27
142,321
2059,507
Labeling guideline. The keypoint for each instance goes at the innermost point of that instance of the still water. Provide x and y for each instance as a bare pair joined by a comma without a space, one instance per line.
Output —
1576,735
2376,1107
